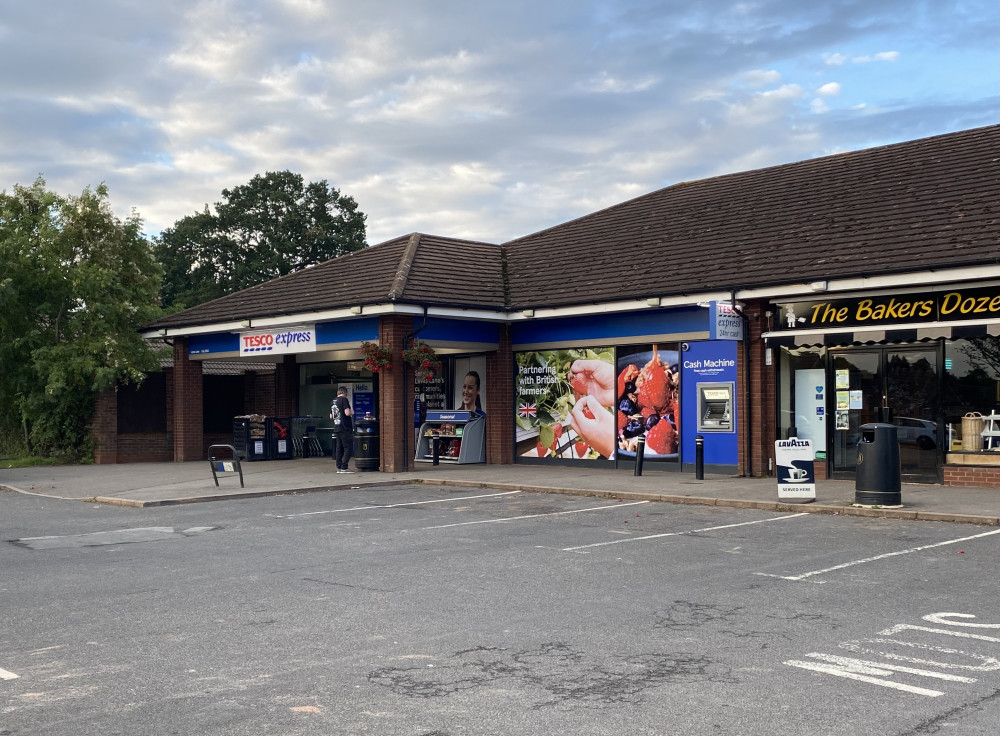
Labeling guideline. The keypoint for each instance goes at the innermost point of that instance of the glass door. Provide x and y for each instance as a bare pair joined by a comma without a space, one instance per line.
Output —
912,396
897,385
857,395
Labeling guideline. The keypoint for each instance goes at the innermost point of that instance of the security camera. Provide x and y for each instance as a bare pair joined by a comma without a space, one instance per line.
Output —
685,347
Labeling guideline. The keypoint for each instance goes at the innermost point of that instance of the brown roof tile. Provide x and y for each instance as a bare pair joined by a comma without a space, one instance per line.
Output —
421,269
910,206
916,205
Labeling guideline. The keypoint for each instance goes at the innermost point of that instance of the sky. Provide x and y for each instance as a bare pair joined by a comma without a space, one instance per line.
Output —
470,119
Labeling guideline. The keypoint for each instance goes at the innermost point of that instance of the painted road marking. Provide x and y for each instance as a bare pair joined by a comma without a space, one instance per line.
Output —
371,507
680,534
876,558
856,671
116,536
535,516
5,675
897,649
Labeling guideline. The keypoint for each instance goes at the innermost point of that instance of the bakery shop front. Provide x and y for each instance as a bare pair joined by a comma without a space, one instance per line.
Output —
927,361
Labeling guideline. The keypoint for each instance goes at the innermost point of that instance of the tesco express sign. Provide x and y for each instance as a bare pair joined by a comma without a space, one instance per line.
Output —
300,339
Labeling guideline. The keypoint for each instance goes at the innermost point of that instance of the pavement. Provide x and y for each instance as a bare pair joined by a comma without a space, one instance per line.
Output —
162,484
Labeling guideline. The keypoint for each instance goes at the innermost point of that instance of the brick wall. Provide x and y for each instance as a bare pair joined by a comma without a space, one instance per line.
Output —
500,417
286,387
187,395
972,476
756,425
395,400
105,427
145,448
259,394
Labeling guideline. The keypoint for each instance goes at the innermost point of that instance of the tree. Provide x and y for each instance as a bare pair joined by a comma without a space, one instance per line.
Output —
269,227
76,285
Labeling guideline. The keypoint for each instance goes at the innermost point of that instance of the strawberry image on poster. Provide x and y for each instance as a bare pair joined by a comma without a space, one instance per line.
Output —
648,401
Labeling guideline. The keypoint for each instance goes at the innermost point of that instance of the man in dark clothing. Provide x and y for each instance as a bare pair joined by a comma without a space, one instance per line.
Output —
343,430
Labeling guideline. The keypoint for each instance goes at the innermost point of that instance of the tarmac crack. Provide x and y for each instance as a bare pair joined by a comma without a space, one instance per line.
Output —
560,673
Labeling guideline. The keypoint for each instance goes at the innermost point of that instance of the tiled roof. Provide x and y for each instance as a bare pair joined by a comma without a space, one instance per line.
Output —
421,269
924,204
916,205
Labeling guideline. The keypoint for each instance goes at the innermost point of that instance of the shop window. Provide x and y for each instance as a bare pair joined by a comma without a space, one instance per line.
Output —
143,409
971,383
802,394
222,399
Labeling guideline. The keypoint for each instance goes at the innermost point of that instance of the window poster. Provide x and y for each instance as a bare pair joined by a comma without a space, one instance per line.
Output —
647,401
565,403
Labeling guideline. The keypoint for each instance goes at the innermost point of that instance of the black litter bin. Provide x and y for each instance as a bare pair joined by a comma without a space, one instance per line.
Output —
877,481
366,443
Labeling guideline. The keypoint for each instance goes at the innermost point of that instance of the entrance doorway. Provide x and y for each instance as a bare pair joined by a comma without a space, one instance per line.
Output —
888,384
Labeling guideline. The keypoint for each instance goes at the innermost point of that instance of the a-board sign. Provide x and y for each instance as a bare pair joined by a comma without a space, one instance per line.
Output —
795,464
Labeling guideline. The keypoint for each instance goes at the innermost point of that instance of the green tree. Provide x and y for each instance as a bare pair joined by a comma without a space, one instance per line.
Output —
76,285
269,227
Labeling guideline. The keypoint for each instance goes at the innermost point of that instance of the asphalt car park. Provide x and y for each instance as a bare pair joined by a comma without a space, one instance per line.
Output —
431,610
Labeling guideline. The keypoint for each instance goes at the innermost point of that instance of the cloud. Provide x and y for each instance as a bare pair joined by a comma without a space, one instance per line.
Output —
466,119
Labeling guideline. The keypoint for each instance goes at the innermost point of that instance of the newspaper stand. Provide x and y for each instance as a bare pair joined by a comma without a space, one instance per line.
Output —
224,466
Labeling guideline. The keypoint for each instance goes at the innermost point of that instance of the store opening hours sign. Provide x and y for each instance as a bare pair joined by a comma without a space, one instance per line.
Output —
279,341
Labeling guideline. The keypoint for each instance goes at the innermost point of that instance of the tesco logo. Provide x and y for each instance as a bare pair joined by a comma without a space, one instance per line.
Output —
258,342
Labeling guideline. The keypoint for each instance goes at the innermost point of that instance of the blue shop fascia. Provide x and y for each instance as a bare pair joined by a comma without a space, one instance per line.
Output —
588,388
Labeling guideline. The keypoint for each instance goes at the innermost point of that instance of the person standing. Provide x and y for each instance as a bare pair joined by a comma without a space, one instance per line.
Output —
343,430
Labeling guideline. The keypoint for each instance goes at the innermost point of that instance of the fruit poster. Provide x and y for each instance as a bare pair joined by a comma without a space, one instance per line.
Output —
648,402
565,403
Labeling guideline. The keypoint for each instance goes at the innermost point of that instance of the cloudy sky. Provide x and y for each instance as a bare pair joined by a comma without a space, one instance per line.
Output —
485,120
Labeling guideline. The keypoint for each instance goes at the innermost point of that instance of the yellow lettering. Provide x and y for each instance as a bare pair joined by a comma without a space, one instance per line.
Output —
842,314
864,310
967,305
995,304
950,302
926,308
981,304
878,312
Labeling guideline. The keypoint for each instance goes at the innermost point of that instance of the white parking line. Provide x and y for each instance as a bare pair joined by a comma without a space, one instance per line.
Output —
680,534
535,516
5,675
371,507
876,558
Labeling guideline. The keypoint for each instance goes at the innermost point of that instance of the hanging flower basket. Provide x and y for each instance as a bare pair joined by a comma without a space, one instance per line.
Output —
377,358
422,357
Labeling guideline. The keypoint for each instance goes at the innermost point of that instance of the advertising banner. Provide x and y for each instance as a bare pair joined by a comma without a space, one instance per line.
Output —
895,309
565,403
648,402
279,341
793,459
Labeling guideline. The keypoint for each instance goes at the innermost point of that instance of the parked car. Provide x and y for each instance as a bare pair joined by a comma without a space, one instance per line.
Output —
921,432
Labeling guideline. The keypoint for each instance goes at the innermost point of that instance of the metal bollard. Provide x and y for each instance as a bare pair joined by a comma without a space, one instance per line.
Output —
640,451
436,451
699,457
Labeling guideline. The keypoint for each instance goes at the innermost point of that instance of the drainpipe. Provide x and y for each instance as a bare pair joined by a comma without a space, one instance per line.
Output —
406,433
748,435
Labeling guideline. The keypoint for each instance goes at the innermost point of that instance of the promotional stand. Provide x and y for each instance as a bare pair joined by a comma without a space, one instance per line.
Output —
461,437
795,470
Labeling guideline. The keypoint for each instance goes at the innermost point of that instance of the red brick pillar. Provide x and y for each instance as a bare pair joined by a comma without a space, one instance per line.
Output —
105,427
500,411
759,421
395,400
286,385
189,435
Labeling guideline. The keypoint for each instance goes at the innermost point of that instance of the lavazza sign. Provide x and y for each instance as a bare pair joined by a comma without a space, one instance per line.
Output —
955,305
